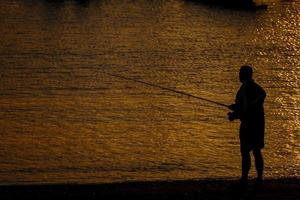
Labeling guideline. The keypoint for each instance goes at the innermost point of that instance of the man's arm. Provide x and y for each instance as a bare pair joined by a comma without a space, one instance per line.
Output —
260,98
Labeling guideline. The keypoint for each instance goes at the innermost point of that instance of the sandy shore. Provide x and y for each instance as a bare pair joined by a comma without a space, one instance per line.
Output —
283,189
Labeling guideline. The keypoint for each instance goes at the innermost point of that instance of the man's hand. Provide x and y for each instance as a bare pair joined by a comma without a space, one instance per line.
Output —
231,116
232,107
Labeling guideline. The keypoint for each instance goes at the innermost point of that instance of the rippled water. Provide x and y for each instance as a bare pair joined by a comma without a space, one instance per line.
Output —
63,120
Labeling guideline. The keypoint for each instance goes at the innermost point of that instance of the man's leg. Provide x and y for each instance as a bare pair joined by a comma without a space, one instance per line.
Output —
246,164
259,163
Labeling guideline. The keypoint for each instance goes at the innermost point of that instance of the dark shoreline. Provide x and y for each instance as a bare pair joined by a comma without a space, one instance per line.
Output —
282,188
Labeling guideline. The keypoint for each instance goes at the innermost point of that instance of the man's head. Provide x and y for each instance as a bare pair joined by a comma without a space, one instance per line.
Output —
245,73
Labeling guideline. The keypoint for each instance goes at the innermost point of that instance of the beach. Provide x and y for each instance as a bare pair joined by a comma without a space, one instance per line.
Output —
282,188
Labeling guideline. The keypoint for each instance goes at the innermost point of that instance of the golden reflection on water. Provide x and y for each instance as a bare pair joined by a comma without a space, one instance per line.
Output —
63,120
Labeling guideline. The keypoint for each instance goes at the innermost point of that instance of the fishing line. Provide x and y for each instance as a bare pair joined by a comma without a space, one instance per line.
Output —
165,88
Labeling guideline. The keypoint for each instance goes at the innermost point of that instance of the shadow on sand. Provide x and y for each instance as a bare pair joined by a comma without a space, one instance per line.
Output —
288,188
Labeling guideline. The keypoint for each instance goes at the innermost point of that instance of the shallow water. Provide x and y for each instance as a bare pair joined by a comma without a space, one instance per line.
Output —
63,120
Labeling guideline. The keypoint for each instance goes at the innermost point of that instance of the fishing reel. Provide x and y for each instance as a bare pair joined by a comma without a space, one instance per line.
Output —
232,115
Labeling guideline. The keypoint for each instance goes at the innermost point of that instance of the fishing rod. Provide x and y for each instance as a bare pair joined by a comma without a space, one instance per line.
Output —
165,88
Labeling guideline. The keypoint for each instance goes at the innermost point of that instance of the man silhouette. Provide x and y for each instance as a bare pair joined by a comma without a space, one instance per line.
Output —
249,109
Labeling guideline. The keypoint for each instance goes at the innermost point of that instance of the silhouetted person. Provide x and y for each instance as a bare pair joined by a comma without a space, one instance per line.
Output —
249,109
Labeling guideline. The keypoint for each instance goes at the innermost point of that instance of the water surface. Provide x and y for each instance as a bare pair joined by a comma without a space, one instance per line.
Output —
63,120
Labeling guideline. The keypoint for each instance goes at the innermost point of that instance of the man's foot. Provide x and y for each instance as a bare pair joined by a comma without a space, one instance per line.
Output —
258,183
241,184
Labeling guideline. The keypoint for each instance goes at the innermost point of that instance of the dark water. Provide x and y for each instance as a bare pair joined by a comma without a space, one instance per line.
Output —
63,120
